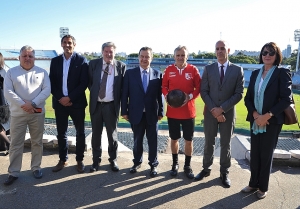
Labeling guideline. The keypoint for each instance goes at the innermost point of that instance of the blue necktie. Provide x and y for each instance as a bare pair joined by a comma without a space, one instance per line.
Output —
145,80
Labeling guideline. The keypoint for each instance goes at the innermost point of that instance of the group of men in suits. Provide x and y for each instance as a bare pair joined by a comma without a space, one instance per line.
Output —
138,93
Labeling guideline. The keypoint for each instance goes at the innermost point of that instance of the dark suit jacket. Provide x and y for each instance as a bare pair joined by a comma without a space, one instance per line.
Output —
277,96
77,80
134,99
227,94
95,69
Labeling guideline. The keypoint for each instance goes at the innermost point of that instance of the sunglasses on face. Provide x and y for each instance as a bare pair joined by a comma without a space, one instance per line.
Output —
265,53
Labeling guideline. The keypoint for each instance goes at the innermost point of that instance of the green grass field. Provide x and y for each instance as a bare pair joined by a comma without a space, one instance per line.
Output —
241,110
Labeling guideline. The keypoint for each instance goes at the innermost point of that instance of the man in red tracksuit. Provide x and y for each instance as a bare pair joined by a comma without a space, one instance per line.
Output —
185,77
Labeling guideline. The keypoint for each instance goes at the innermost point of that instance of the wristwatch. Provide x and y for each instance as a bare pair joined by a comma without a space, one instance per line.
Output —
33,105
271,114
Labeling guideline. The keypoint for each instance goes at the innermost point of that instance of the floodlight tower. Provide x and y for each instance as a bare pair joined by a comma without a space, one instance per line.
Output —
63,31
297,38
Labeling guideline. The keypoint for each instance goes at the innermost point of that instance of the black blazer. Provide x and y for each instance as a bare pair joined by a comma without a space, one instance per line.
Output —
77,80
277,96
95,69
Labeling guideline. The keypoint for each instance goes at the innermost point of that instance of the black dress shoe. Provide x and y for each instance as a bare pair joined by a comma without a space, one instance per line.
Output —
134,168
80,167
202,174
174,170
114,166
153,171
188,172
94,167
10,179
37,174
225,180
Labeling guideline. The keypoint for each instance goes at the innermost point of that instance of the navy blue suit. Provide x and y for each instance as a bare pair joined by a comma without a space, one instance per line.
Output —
133,103
77,83
277,97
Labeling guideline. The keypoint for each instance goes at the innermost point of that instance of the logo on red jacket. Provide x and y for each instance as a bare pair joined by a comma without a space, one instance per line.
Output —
188,76
172,74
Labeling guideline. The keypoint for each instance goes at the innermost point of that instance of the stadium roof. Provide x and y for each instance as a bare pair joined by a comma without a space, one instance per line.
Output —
43,58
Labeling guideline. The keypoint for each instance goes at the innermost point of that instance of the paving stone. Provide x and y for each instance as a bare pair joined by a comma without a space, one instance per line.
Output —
295,153
283,154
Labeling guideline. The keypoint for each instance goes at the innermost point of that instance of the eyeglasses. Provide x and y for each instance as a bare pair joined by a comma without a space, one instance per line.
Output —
220,48
265,53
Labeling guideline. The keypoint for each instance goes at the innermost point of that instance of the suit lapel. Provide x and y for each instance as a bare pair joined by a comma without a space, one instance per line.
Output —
153,74
216,72
117,72
116,68
60,69
227,74
274,77
138,77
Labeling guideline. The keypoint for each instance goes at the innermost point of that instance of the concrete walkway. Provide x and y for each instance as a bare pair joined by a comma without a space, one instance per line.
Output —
107,189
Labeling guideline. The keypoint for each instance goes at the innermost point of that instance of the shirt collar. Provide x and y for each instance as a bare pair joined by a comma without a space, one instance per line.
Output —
69,57
225,64
147,70
104,63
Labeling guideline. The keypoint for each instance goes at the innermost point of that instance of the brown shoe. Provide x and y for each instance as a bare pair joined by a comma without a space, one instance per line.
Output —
80,167
60,165
261,195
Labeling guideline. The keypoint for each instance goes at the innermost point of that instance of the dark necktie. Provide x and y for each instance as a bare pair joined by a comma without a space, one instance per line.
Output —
222,73
102,90
145,80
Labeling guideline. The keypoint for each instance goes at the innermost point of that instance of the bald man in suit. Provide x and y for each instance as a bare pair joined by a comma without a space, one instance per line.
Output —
221,89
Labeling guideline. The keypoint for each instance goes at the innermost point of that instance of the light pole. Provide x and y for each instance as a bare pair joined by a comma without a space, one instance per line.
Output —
297,38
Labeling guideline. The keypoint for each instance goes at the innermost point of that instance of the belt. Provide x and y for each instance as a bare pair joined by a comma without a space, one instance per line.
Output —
105,102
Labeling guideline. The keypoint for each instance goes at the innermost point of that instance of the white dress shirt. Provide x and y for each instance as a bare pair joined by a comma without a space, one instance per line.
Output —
224,68
66,66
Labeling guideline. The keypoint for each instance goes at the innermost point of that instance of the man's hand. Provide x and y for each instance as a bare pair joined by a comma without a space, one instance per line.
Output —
160,117
216,111
27,107
221,118
187,98
65,101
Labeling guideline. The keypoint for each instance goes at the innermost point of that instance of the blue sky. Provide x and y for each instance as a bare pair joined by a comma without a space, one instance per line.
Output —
160,24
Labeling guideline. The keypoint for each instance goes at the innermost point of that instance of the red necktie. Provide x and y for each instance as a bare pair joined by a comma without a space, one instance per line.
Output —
222,73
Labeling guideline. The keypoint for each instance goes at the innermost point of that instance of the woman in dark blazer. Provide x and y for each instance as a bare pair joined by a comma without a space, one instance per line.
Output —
269,93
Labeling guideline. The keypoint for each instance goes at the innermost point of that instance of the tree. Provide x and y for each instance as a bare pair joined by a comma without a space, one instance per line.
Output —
292,60
242,59
133,55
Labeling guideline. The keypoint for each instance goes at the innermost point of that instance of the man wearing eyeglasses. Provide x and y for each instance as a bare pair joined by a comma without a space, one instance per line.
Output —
105,85
142,106
221,89
26,87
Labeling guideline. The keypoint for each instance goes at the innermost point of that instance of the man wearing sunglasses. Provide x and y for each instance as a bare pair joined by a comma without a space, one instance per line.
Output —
221,89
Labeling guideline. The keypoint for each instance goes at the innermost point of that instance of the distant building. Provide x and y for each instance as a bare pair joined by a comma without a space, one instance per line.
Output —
247,53
287,52
121,54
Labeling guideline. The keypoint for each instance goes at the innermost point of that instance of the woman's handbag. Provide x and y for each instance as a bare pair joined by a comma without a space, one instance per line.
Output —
290,115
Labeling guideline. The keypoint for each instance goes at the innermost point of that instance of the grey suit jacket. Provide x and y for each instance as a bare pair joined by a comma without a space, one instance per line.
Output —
95,69
225,95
